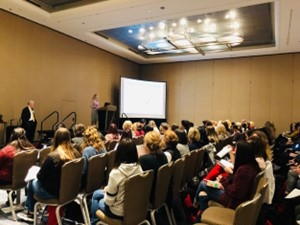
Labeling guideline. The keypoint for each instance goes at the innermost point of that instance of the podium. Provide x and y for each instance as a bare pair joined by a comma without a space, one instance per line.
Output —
106,116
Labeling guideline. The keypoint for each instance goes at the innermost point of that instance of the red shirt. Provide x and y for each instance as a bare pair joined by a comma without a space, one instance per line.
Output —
6,163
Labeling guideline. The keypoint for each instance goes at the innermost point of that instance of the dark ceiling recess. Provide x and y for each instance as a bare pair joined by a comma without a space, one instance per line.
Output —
228,30
57,5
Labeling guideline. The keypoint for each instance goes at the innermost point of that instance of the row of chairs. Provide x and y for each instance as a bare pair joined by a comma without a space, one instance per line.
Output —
99,167
178,174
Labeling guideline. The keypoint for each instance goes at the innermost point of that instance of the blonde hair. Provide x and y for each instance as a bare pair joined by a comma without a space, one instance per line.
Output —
170,138
62,144
92,138
153,141
194,134
127,125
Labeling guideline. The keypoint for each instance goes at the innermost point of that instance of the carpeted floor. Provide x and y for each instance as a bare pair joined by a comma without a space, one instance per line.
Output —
6,218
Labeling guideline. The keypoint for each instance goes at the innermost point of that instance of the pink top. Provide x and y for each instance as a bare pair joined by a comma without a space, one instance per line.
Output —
95,104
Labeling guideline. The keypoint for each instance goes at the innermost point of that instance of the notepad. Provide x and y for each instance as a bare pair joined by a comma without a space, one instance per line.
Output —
32,173
225,163
224,151
293,194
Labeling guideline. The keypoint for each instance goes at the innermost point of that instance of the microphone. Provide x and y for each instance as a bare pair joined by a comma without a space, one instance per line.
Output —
124,114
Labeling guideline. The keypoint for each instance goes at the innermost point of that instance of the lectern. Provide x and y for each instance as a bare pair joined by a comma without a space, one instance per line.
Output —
106,115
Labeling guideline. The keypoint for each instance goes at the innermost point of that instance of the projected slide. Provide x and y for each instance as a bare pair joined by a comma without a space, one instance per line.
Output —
142,99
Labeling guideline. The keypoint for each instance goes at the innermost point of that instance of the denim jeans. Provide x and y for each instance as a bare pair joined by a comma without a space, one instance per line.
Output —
98,203
212,194
34,187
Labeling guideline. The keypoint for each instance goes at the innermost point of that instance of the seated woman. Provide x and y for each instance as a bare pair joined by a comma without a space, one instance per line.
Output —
194,139
182,145
171,141
127,130
111,200
92,145
78,130
18,142
113,133
154,157
237,188
47,183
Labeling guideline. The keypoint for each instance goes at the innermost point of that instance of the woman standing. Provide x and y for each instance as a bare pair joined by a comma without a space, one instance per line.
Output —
94,107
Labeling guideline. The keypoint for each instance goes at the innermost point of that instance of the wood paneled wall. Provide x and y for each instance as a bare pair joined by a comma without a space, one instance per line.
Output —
58,72
253,88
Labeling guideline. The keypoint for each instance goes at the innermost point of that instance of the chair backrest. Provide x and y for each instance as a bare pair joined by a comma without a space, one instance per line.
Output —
199,164
110,162
162,184
177,174
22,162
245,211
190,165
258,177
137,194
70,180
43,153
111,145
262,190
95,172
138,140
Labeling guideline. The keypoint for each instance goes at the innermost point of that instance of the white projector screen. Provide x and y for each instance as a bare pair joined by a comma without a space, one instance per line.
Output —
142,99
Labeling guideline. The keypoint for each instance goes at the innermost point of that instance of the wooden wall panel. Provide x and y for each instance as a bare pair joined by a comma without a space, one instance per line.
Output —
281,91
222,89
204,92
187,88
260,90
296,89
240,107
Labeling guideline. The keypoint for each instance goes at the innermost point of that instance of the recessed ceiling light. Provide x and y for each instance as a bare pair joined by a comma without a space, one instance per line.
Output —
183,21
142,30
162,25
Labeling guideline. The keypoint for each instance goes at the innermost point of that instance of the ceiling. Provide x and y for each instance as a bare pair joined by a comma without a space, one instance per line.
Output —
269,29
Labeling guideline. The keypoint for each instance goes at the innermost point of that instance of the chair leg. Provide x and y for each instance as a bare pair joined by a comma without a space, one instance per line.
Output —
84,210
173,217
168,214
152,214
11,204
57,213
146,222
36,205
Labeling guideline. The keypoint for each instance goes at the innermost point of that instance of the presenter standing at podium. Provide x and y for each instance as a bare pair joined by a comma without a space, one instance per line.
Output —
29,120
94,107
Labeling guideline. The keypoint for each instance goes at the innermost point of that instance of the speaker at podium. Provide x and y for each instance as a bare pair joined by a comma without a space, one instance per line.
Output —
106,115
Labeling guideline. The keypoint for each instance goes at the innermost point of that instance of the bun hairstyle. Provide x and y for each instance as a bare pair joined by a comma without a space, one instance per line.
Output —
153,141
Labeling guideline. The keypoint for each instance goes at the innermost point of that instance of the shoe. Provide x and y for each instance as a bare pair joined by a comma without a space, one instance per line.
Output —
28,217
